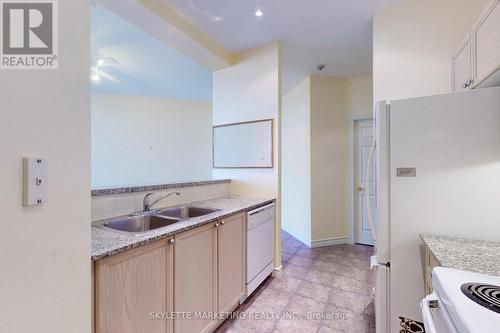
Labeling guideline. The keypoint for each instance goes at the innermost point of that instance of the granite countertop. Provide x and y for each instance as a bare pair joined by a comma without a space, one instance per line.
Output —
465,254
107,242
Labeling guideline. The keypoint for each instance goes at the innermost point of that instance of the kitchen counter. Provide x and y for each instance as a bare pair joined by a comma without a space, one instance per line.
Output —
108,242
465,254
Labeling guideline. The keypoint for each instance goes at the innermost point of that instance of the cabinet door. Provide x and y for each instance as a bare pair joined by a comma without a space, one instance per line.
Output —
195,278
92,297
486,36
231,262
129,286
462,66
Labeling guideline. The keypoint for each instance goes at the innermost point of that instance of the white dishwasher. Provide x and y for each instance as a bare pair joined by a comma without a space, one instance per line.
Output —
260,246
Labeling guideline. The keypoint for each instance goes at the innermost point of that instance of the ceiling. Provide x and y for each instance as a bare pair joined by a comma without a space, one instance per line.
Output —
146,66
337,33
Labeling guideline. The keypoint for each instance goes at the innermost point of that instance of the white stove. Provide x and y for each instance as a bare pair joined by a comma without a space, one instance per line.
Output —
462,302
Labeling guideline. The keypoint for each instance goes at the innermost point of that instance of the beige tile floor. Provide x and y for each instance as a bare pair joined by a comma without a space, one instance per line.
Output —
323,290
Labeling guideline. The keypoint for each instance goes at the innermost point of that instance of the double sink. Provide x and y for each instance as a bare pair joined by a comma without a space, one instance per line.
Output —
147,221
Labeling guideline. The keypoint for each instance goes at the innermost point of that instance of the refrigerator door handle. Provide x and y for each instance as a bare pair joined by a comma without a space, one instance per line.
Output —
368,175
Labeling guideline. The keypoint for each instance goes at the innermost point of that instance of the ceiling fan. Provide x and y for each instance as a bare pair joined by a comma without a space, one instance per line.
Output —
97,69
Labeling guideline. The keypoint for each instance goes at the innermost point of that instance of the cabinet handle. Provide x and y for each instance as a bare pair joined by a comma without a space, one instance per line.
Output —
222,222
172,241
216,225
467,84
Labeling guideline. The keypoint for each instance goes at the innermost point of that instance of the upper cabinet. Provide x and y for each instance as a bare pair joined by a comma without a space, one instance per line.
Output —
486,37
477,62
462,66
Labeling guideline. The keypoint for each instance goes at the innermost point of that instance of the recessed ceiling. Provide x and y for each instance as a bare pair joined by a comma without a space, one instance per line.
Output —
337,33
146,66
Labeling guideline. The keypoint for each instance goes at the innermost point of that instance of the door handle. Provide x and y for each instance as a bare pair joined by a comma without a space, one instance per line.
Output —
360,189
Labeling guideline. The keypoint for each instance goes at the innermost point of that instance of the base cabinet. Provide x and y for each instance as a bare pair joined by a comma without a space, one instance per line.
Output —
430,262
129,287
209,273
194,275
231,262
195,279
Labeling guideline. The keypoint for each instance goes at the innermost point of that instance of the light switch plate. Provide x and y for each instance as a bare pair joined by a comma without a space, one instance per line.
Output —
35,181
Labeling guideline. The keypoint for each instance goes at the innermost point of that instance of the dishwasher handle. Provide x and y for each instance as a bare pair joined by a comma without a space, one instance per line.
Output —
261,215
260,209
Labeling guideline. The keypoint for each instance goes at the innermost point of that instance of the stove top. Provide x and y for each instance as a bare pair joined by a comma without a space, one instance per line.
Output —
485,295
472,300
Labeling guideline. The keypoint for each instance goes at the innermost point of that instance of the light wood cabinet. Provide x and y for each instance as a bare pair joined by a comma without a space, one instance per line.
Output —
486,39
430,263
195,278
231,262
131,285
462,66
198,273
92,297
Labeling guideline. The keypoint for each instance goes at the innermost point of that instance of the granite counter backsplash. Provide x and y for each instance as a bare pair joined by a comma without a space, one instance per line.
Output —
142,188
465,254
107,242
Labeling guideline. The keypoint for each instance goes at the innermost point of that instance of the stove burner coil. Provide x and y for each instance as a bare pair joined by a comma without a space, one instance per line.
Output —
485,295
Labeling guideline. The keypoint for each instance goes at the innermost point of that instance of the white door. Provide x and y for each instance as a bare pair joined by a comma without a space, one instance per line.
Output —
363,137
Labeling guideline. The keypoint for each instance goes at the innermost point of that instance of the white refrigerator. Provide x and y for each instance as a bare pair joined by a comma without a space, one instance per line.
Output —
437,167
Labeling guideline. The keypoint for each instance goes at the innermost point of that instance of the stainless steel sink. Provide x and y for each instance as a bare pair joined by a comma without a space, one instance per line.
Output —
186,212
141,223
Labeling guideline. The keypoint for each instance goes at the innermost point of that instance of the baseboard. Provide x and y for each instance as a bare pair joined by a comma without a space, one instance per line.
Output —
330,241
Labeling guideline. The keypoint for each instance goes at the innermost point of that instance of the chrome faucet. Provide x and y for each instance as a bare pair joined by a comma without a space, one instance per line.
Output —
147,205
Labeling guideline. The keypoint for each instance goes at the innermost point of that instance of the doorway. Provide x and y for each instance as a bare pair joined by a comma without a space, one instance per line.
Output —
363,140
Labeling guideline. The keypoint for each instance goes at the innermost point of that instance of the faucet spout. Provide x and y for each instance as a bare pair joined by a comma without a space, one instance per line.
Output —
147,205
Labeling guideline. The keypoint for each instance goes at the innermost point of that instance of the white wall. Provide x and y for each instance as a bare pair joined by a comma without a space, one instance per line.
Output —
413,42
317,168
250,90
359,92
148,140
45,256
296,171
329,159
